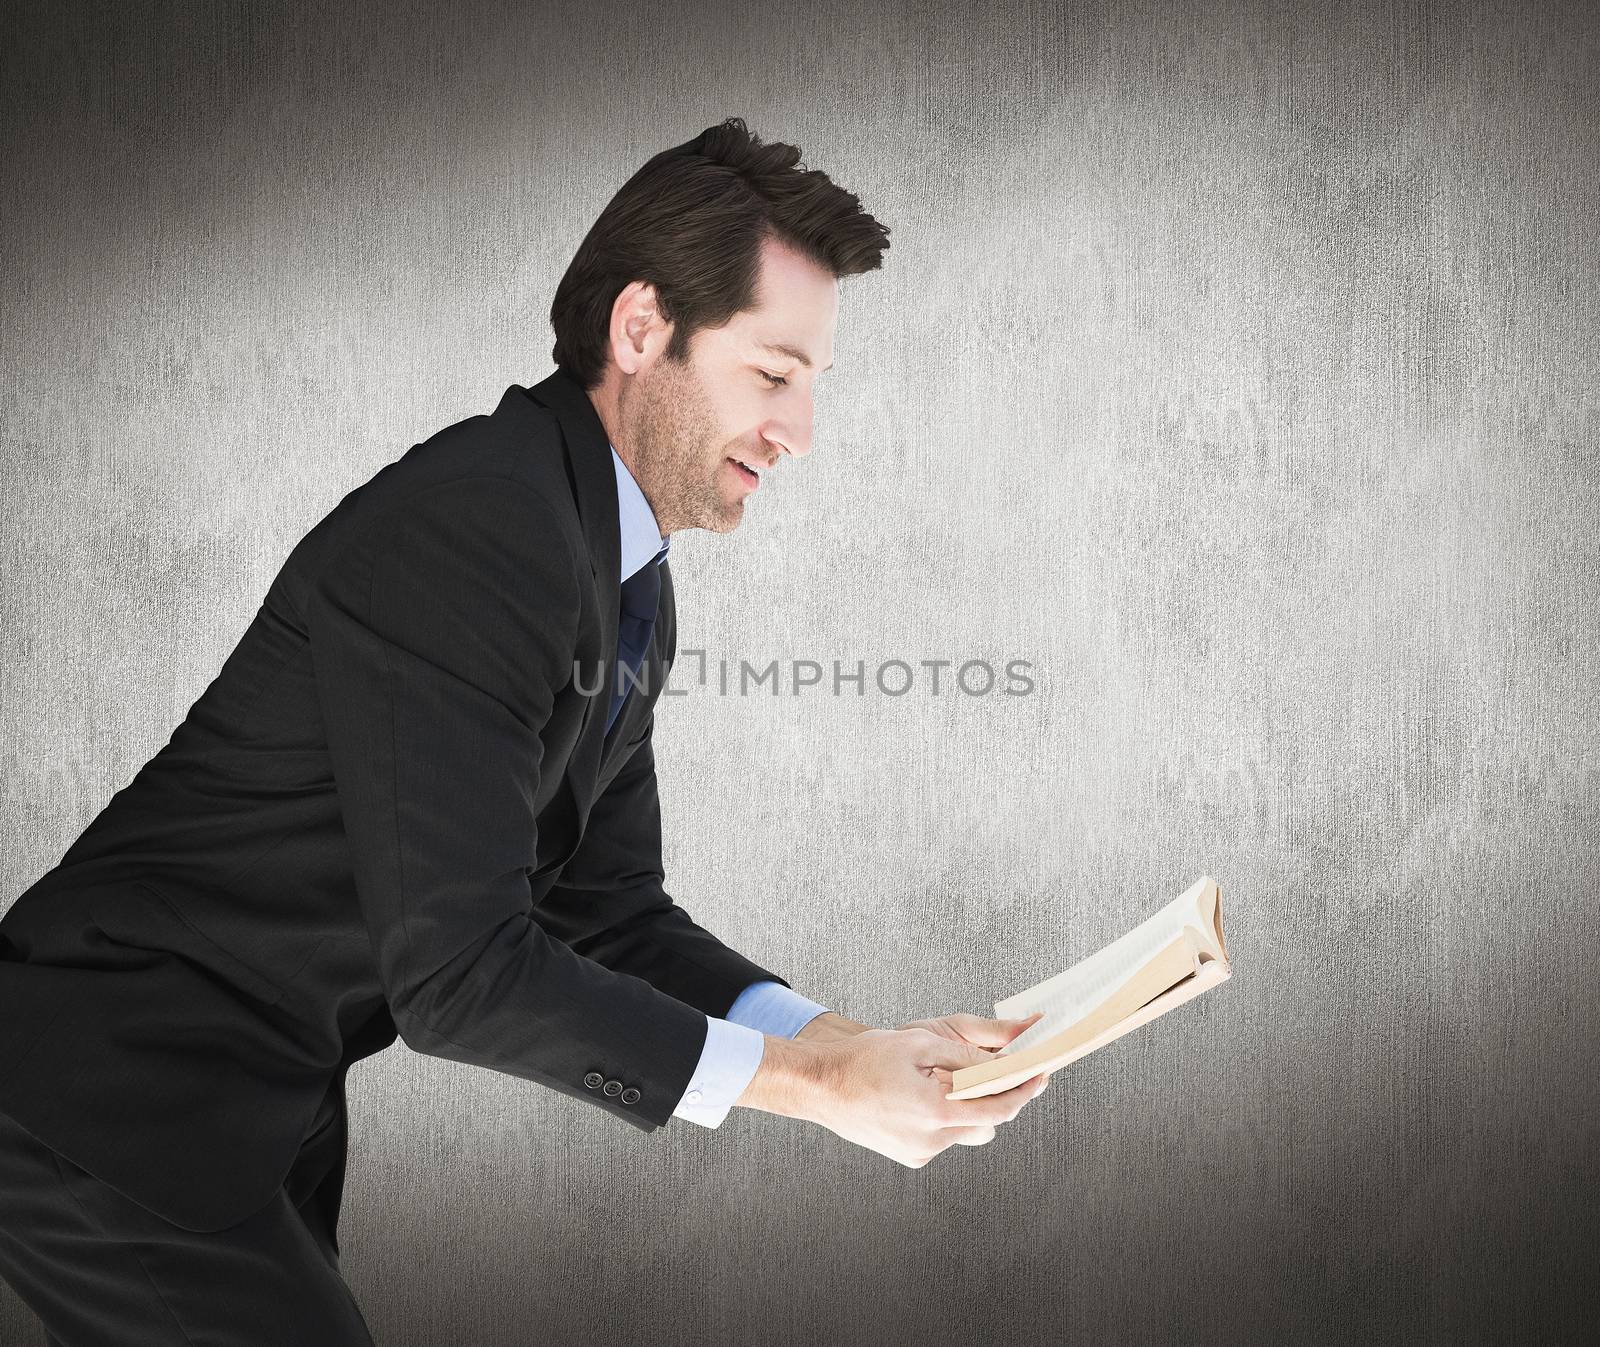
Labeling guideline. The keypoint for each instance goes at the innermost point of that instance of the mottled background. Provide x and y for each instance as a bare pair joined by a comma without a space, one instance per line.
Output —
1233,364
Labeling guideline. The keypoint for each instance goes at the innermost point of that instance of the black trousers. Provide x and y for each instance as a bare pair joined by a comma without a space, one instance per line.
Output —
101,1271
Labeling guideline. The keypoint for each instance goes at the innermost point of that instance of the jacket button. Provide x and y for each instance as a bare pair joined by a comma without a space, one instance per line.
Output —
612,1087
593,1079
630,1096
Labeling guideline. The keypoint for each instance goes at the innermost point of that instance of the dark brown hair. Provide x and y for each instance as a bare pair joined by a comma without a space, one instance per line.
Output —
691,222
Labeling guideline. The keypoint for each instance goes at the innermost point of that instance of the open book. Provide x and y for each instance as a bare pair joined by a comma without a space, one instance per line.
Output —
1169,959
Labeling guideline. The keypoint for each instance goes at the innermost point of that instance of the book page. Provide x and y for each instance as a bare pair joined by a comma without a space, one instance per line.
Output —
1069,997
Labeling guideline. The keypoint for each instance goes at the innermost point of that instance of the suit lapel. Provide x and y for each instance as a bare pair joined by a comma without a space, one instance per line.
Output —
594,483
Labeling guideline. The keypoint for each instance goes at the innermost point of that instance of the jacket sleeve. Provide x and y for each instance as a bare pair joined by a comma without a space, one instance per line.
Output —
610,905
439,638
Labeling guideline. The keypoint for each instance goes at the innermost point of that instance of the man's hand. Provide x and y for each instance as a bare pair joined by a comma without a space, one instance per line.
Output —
885,1088
981,1033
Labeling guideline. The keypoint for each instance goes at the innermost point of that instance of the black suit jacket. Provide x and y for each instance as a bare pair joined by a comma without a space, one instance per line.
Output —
394,810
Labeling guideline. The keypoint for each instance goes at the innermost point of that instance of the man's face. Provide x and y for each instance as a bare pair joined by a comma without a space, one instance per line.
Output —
692,432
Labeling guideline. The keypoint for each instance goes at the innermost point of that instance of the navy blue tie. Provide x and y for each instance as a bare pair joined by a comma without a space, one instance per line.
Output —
641,594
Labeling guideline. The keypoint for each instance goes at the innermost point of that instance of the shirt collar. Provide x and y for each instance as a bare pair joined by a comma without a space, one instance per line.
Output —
641,539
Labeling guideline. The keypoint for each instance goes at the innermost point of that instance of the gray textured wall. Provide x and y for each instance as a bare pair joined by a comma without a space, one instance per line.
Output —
1235,365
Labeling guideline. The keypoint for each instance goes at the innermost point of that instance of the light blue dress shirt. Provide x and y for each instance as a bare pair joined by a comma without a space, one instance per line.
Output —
733,1046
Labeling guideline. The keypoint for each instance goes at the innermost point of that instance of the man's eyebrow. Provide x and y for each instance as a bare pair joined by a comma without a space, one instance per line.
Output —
793,352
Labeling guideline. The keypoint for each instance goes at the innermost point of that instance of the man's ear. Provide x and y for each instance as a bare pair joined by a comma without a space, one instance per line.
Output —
635,326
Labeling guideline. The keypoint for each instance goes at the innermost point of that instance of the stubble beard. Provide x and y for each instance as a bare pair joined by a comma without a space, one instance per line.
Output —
676,444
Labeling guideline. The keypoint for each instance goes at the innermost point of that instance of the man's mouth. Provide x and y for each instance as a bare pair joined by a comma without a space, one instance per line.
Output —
750,476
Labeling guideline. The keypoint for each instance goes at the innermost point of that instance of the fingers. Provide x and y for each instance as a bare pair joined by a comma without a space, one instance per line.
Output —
971,1128
996,1108
946,1137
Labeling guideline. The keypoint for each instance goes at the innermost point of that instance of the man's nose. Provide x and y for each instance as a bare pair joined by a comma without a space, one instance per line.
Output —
792,435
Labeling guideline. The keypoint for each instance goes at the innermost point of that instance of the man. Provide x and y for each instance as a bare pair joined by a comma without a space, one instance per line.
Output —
419,800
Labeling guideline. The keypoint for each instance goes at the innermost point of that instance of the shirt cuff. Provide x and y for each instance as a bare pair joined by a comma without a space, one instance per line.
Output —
774,1009
727,1064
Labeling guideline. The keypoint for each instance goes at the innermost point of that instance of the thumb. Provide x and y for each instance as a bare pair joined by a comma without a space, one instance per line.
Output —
946,1052
997,1033
988,1033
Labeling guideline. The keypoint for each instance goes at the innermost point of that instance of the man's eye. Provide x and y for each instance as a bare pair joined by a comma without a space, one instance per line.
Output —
776,380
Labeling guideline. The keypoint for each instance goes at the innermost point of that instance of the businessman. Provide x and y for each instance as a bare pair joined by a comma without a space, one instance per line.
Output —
419,800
